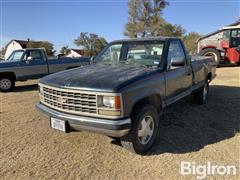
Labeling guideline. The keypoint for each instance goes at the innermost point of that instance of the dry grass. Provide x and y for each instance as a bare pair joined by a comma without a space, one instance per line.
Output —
31,150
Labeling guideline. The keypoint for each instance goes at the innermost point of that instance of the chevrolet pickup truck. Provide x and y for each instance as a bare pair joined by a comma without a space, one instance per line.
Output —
124,93
28,64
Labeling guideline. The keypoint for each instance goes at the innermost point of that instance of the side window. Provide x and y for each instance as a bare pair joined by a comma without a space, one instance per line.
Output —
112,54
35,55
176,52
235,39
236,33
226,34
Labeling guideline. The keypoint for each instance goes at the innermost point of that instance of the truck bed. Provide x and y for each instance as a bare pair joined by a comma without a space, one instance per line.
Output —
198,66
59,64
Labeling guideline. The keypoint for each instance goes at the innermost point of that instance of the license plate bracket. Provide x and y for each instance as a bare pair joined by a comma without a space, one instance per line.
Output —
58,124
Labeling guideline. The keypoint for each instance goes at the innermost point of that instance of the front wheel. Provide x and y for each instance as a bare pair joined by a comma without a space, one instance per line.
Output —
201,96
144,130
6,84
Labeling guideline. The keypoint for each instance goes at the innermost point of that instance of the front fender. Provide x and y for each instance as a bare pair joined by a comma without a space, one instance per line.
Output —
143,89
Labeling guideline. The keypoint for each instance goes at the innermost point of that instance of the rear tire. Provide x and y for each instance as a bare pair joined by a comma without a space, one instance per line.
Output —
144,129
201,96
6,84
213,53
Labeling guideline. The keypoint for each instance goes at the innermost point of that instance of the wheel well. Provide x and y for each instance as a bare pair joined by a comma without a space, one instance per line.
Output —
9,75
208,47
72,67
154,100
211,48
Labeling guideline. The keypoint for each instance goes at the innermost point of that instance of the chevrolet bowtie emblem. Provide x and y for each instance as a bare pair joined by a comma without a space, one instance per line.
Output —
61,100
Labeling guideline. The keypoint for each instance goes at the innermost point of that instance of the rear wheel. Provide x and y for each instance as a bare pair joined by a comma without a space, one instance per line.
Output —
6,84
201,96
211,53
144,130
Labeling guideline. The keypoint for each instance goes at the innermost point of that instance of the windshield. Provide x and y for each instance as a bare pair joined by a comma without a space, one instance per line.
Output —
142,53
15,56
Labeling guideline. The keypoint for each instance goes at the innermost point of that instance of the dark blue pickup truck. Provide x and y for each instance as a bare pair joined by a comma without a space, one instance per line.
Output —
28,64
125,91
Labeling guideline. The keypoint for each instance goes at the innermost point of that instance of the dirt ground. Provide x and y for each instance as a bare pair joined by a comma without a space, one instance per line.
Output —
200,134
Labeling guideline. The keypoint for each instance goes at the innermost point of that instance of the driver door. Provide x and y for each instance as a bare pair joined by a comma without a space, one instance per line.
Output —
34,65
178,78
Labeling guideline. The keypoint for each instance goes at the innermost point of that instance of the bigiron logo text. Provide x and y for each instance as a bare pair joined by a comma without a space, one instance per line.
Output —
201,171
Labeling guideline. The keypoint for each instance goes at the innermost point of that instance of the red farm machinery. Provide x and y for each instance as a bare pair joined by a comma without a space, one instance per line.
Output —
223,45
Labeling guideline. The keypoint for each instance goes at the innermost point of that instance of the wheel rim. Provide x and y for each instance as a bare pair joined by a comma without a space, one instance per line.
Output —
205,92
5,84
213,55
145,130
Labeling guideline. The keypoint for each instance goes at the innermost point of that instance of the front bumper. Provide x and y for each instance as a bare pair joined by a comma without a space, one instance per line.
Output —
114,128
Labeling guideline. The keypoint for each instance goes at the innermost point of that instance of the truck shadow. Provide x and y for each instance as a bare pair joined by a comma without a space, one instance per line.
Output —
23,88
222,65
189,127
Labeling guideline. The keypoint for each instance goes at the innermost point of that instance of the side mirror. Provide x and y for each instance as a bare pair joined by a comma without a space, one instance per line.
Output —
178,61
29,58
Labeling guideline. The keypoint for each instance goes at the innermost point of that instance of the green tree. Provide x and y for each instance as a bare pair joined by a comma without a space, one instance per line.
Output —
145,19
65,50
190,41
132,27
172,30
157,21
42,44
91,42
100,44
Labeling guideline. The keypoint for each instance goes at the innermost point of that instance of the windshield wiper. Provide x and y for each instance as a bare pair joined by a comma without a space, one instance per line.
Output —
136,64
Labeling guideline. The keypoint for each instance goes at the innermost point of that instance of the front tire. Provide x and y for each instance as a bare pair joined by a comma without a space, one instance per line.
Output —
144,130
212,53
6,84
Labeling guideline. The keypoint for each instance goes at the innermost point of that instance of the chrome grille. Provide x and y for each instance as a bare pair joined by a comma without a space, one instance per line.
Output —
69,100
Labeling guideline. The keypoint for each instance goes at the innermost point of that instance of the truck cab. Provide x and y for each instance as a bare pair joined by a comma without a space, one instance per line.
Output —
231,44
34,62
231,38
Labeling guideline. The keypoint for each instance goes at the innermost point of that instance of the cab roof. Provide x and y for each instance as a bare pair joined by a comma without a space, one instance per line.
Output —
159,38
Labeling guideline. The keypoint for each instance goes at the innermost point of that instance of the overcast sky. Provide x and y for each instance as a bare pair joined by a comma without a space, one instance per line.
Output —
61,21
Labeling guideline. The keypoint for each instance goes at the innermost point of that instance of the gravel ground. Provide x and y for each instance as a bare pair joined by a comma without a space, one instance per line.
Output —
200,134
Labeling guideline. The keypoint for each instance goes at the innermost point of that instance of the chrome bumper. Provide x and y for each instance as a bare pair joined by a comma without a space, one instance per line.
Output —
114,128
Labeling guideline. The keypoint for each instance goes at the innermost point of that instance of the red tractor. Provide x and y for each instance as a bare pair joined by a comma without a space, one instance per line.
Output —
223,45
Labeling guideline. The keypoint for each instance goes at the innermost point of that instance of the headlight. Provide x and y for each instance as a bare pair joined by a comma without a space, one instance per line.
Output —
112,102
109,105
109,101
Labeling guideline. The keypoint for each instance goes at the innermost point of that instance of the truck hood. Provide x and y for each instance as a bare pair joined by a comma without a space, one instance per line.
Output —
98,77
